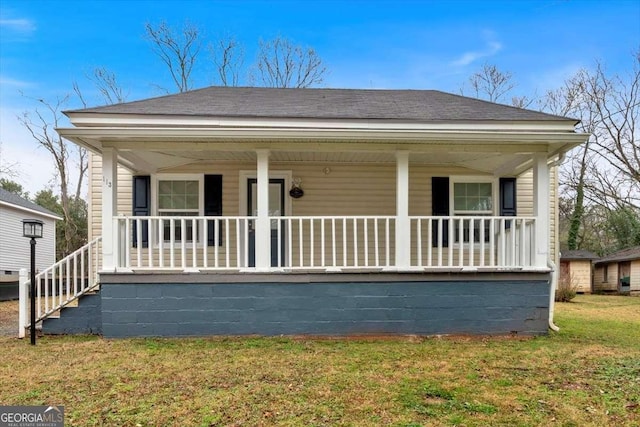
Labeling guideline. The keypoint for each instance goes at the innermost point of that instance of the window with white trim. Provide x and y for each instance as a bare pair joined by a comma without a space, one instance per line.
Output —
472,199
179,197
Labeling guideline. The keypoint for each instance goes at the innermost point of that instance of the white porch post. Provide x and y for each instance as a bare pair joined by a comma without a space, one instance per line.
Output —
541,209
263,227
403,225
109,207
23,302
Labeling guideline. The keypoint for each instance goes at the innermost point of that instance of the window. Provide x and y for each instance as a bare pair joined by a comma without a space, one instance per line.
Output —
472,199
179,197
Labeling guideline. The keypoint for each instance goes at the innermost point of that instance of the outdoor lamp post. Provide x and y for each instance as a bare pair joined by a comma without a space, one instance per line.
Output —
32,228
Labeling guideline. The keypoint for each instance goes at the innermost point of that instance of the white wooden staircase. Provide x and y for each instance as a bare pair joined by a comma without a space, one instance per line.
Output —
60,285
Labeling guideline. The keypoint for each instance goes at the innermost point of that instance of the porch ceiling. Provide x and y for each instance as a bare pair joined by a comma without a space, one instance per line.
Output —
485,162
507,152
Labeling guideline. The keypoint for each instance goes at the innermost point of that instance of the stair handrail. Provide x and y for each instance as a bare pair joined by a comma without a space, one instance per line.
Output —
60,273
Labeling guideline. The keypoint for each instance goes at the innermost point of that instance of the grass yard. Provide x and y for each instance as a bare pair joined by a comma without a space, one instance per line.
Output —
587,374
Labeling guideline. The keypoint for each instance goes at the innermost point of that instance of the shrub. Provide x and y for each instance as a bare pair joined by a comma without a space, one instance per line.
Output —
566,290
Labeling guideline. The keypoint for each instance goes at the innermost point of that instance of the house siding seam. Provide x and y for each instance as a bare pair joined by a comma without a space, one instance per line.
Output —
423,308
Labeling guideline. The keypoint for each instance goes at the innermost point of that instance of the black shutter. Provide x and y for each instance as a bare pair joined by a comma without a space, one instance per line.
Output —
507,198
440,207
141,207
213,206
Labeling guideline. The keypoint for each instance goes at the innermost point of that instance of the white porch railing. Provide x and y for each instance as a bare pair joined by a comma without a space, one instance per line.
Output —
62,283
473,242
325,243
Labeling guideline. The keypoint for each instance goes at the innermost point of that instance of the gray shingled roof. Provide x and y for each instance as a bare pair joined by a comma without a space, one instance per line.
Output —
628,254
406,105
14,199
577,255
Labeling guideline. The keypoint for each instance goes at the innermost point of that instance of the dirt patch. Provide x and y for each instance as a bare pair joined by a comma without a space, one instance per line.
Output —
8,318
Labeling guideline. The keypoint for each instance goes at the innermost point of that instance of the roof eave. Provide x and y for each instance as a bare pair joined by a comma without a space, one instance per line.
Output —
31,211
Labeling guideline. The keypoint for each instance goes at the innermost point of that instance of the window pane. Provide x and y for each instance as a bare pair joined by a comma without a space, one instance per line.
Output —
164,202
179,198
178,187
485,190
472,196
164,188
460,203
191,188
192,202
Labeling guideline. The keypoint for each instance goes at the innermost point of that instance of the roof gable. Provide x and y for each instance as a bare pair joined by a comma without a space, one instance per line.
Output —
351,104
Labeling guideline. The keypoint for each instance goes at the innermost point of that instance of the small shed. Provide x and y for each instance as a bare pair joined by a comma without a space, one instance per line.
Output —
619,272
576,268
14,248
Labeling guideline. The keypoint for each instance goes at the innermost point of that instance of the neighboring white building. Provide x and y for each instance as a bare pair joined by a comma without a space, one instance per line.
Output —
15,249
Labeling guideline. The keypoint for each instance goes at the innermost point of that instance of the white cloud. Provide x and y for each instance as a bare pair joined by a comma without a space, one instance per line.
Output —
7,81
554,77
23,26
467,58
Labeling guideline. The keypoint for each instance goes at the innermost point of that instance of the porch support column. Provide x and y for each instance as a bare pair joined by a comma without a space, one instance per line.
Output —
263,227
403,225
541,209
109,208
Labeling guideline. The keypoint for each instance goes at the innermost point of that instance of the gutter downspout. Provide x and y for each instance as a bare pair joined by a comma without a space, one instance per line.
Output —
554,274
552,294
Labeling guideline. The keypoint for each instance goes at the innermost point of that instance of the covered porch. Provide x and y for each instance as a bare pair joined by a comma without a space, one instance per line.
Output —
472,224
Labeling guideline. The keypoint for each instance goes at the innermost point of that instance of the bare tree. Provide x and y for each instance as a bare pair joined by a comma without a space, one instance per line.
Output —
615,105
41,124
490,83
569,100
7,169
228,57
282,64
107,84
178,50
604,172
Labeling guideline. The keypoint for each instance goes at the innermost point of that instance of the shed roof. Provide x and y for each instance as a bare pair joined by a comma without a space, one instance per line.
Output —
10,198
628,254
577,255
254,102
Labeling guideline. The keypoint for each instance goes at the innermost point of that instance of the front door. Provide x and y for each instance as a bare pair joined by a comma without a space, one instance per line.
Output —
276,208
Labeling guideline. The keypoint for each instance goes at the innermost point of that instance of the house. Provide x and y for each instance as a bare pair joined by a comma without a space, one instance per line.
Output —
15,250
619,272
320,211
576,269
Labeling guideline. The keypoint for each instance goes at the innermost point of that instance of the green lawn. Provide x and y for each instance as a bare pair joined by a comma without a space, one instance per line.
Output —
587,374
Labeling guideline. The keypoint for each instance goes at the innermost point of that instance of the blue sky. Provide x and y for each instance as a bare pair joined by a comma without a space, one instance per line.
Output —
46,45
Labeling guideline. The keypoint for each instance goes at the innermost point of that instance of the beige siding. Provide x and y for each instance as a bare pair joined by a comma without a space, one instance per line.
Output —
635,276
608,283
95,191
580,272
524,190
